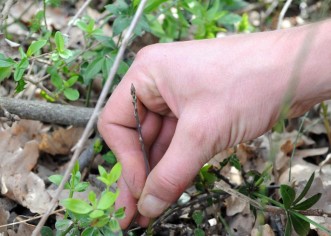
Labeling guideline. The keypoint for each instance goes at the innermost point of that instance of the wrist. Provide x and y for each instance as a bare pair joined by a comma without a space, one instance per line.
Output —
310,76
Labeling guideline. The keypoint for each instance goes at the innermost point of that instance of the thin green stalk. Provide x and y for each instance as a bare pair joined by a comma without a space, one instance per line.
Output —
326,121
45,20
226,226
295,146
88,96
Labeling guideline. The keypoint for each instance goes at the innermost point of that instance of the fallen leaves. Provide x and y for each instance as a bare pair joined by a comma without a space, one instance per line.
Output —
16,163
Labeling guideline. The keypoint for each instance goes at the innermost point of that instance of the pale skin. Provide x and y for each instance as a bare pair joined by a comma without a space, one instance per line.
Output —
198,98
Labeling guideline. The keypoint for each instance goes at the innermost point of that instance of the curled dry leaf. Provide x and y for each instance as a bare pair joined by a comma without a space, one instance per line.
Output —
16,162
60,141
23,229
8,48
262,230
4,216
234,205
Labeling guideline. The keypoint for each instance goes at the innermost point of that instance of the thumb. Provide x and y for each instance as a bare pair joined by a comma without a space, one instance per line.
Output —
175,171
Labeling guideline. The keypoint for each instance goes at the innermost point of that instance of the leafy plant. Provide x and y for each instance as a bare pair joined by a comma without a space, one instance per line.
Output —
95,216
197,216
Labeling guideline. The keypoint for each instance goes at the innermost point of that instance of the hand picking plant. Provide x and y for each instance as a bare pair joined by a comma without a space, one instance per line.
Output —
95,216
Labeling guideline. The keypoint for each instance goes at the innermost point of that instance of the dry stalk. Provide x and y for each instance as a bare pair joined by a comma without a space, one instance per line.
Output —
94,116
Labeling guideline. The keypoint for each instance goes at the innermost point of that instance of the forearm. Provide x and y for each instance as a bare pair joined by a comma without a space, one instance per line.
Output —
310,76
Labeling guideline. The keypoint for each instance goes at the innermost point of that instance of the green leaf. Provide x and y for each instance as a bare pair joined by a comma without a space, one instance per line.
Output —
35,47
71,94
55,179
234,161
20,86
110,158
82,25
229,19
55,56
5,72
77,206
91,231
119,7
153,5
120,213
92,197
36,21
96,214
306,189
93,69
59,42
71,81
66,54
63,225
212,12
6,62
288,195
197,217
57,80
104,180
115,173
300,226
102,171
102,221
308,203
305,218
199,232
20,69
114,225
46,231
82,186
120,24
107,200
288,228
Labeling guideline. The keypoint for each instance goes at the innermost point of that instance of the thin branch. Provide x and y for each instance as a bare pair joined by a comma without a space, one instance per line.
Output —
94,116
141,140
30,219
283,12
5,11
46,112
79,12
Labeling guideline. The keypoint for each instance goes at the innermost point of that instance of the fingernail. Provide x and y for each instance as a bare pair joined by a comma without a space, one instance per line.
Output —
151,206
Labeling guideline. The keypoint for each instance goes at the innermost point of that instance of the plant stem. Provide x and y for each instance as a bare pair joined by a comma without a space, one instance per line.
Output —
45,19
88,95
295,146
326,121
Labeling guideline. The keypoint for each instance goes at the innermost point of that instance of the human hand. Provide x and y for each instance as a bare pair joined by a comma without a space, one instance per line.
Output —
197,98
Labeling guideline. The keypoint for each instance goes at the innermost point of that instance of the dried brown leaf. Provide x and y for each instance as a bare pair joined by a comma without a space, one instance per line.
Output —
61,141
16,162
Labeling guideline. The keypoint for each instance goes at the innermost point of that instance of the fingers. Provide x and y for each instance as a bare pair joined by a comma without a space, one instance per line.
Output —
174,172
125,199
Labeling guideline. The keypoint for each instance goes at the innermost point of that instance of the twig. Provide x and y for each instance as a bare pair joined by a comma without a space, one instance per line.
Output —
46,112
5,11
30,219
141,140
282,13
94,116
79,12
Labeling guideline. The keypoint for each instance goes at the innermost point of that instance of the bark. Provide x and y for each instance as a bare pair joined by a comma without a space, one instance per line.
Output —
46,112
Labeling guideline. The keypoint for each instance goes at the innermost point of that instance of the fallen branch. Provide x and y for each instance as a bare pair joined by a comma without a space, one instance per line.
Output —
46,112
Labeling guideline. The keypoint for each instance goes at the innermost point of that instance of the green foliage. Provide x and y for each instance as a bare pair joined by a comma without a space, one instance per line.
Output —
94,216
291,204
198,218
